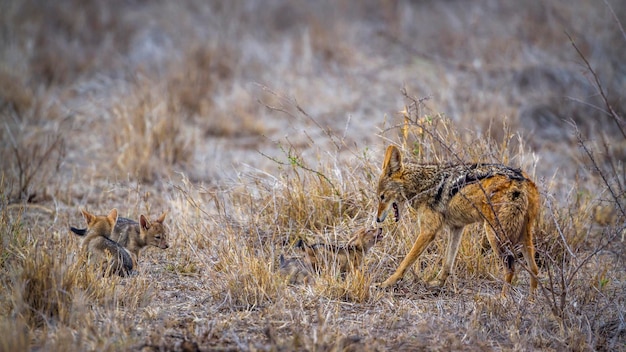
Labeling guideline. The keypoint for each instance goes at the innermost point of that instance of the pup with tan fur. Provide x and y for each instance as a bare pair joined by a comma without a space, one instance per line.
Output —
135,236
296,269
115,259
346,257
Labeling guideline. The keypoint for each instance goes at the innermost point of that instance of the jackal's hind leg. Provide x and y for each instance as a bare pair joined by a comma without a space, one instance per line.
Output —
528,250
507,259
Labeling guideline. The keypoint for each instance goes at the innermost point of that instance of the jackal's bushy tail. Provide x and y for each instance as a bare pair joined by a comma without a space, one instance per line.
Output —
79,232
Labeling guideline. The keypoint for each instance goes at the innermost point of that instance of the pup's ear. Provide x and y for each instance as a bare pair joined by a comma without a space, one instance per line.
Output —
89,218
357,236
161,218
112,217
143,222
393,161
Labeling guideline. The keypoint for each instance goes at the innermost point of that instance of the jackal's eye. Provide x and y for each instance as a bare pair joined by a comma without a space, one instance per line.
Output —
382,197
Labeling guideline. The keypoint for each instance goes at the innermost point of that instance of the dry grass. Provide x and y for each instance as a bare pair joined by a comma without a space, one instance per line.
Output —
254,129
33,148
148,141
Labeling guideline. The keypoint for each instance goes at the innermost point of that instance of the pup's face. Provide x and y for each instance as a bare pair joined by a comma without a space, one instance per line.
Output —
154,232
366,238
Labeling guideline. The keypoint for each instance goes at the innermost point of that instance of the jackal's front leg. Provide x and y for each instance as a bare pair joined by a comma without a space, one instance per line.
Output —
451,251
430,223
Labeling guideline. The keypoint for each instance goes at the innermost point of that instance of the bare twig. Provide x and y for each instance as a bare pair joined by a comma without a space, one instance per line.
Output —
614,115
300,109
597,169
558,228
36,160
297,161
617,21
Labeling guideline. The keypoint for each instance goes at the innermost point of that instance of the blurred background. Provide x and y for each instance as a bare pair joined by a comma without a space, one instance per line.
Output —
147,88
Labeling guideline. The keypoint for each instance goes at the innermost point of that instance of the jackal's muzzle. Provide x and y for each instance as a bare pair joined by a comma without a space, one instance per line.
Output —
382,215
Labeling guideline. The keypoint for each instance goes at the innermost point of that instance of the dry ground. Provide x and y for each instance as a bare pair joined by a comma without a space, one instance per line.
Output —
255,124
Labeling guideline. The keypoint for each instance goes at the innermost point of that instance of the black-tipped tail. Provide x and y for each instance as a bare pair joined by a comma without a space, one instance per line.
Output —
79,232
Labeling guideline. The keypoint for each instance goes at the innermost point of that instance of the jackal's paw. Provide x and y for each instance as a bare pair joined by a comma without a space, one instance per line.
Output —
387,283
382,285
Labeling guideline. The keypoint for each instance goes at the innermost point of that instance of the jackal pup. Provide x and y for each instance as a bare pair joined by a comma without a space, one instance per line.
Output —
114,258
346,256
296,269
503,198
136,235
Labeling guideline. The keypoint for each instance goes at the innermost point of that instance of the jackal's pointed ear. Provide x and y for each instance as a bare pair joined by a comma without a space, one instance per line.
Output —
112,216
393,161
88,216
143,221
161,218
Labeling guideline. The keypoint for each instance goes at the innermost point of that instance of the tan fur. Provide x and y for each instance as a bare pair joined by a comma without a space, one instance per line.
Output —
346,257
295,269
114,258
505,199
137,235
134,235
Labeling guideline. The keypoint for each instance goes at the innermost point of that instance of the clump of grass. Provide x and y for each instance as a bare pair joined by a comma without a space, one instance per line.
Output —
150,140
353,286
201,89
35,148
193,83
311,198
18,339
15,93
46,288
320,339
245,279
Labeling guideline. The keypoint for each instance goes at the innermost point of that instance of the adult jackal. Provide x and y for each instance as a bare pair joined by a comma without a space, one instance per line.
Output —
501,197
